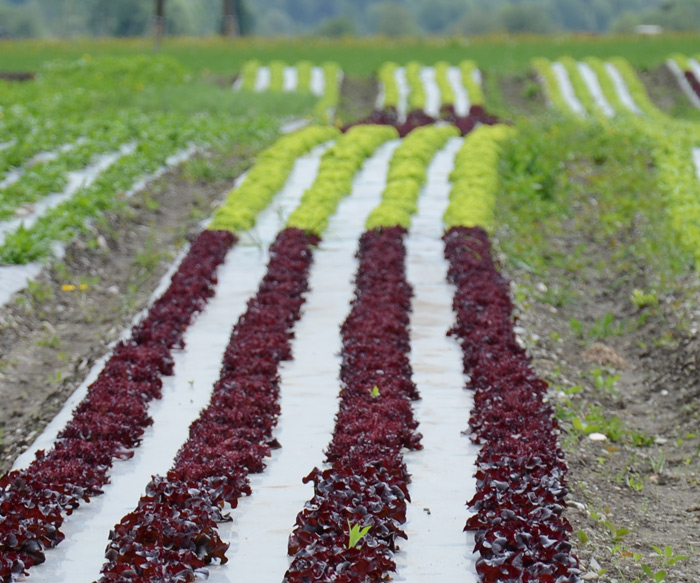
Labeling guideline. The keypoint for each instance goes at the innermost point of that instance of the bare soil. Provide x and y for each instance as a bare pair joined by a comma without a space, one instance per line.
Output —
522,93
666,94
357,98
50,336
642,490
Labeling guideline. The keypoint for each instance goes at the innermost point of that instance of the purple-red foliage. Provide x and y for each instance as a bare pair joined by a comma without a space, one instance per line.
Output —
521,534
109,422
693,82
418,118
172,534
367,481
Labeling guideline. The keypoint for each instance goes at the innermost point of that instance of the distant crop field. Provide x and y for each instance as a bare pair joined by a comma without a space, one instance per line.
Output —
359,57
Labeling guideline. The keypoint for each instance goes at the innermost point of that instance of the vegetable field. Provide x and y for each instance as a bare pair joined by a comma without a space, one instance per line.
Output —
412,315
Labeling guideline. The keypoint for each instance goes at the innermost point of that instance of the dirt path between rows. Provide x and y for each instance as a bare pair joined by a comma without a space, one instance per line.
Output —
605,356
52,333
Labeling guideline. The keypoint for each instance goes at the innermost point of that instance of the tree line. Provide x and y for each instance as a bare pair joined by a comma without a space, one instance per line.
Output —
74,18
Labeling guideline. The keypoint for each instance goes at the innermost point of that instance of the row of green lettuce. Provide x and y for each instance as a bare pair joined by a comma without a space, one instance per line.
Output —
416,88
332,77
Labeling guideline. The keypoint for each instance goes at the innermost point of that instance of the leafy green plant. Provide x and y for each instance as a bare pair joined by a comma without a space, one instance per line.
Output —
356,533
644,300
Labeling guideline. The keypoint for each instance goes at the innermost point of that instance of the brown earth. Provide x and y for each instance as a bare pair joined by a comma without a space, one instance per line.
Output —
49,338
522,93
666,94
582,330
357,98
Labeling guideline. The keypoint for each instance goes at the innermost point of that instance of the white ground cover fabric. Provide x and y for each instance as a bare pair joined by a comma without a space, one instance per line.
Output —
262,80
567,89
318,81
432,91
309,389
696,158
290,80
404,90
462,103
591,80
683,82
622,89
79,558
442,474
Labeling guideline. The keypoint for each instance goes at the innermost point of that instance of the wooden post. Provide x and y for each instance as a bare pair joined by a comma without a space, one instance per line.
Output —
158,24
230,22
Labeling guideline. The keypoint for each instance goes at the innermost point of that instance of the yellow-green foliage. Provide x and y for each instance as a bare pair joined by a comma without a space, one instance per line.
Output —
474,90
335,175
682,61
407,174
277,75
447,94
416,98
249,75
475,178
387,78
326,106
304,76
636,89
543,68
607,86
579,84
266,178
677,176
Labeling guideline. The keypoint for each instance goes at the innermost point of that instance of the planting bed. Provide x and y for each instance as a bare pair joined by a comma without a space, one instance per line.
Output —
333,380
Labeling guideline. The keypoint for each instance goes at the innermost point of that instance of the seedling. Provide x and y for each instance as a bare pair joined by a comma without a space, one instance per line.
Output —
667,556
355,534
643,300
375,392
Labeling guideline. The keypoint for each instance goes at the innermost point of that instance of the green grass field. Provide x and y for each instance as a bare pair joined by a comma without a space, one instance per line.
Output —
357,57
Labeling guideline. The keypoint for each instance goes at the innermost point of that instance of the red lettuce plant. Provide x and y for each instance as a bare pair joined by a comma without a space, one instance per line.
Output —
366,483
172,535
693,81
418,118
521,534
109,422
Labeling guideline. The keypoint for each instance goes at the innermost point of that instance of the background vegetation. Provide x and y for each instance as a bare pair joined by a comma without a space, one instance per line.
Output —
79,18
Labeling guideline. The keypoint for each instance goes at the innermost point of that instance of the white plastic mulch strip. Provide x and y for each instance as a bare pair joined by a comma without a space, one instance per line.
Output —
567,89
262,79
683,82
13,176
290,79
462,103
381,96
622,89
432,91
437,548
591,80
79,558
696,159
478,76
318,81
309,389
75,181
294,125
404,90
